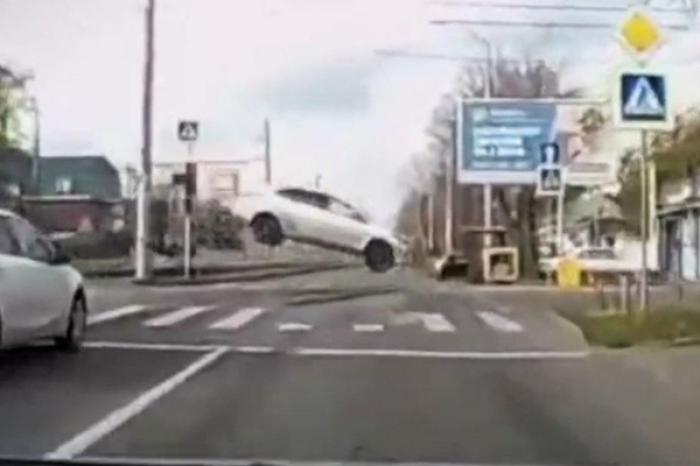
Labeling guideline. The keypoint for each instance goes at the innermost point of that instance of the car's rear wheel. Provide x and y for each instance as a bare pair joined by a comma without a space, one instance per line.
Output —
379,256
73,337
267,230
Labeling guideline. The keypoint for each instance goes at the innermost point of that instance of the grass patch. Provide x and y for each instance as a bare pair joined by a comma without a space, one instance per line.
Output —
669,326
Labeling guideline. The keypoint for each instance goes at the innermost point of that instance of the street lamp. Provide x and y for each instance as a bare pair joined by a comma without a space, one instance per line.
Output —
488,72
488,93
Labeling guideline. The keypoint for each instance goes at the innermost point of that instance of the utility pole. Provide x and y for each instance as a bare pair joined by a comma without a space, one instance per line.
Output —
450,184
143,262
268,160
488,188
644,279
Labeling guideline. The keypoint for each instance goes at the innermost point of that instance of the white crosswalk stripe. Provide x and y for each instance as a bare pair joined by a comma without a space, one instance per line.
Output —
437,323
499,323
114,314
177,316
432,322
238,319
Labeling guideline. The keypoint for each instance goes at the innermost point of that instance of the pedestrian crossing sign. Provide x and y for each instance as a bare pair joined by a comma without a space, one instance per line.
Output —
642,101
188,130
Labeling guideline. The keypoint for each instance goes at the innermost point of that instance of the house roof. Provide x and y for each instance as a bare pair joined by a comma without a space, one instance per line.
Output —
75,161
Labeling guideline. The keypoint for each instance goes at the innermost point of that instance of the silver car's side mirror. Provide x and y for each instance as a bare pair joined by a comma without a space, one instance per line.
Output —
59,256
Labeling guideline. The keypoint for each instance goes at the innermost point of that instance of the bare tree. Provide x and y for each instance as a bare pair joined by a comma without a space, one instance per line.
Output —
10,135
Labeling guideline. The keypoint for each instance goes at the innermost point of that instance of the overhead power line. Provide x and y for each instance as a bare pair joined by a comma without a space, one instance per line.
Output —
543,24
397,53
428,55
550,7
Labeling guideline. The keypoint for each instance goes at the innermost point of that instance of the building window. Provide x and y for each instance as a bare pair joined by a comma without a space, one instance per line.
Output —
64,185
226,183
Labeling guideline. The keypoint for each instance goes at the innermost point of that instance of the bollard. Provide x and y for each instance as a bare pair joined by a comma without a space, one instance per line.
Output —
679,289
599,286
625,294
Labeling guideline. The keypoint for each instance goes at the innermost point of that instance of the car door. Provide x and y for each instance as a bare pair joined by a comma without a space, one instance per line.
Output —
48,292
303,214
345,224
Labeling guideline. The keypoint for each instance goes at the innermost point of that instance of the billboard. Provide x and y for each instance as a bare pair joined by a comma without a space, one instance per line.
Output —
499,142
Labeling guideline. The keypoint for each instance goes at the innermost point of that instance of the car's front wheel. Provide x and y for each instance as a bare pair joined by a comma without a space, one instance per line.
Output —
379,256
73,337
267,230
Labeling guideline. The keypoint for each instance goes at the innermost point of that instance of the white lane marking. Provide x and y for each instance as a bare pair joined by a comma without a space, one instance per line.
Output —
148,346
177,316
506,355
117,418
238,319
499,322
301,351
293,327
432,321
368,328
115,314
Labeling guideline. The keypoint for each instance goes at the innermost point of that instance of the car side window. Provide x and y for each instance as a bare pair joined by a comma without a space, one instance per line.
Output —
32,244
345,210
306,197
291,194
8,242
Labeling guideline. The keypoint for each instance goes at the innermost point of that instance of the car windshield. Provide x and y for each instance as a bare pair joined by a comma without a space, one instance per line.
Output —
350,232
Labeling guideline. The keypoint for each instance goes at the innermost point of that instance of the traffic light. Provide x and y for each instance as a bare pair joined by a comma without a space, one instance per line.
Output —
549,154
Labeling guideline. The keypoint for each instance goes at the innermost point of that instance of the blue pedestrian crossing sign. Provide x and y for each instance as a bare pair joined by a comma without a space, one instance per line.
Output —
642,101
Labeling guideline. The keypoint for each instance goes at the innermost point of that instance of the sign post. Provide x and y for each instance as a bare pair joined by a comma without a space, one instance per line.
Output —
642,103
188,131
551,183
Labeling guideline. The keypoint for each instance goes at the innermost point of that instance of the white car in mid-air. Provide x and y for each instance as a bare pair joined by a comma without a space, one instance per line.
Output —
41,295
317,218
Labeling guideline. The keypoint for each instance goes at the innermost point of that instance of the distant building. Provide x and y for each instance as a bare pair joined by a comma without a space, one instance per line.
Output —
76,194
220,180
679,228
91,175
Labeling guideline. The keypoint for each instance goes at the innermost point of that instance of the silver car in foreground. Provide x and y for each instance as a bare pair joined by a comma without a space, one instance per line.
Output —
41,295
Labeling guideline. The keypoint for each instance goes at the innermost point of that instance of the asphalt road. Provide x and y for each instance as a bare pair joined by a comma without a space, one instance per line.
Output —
344,366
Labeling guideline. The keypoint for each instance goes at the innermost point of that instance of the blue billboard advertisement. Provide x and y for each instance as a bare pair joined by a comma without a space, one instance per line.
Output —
500,142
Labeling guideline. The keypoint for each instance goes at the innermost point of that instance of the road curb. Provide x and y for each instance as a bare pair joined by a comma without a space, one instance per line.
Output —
175,271
220,278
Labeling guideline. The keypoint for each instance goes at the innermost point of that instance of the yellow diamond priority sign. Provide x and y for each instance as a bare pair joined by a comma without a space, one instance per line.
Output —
640,33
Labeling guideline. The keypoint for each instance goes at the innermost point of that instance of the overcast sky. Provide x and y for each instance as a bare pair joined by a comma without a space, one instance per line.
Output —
337,108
